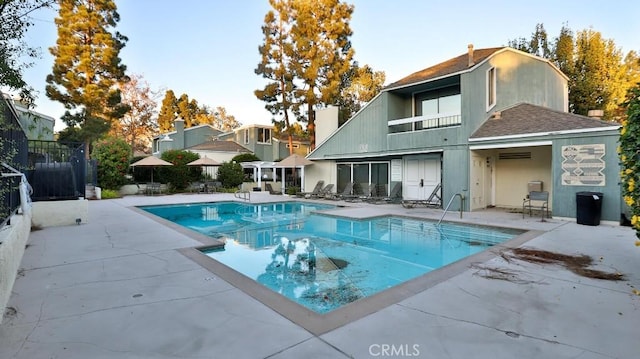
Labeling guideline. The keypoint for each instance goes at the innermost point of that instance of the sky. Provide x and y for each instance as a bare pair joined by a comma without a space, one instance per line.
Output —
208,49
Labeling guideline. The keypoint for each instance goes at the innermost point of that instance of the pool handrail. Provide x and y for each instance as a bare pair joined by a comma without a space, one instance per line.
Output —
449,204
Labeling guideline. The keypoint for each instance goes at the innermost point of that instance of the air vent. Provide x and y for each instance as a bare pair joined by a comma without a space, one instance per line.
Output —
515,156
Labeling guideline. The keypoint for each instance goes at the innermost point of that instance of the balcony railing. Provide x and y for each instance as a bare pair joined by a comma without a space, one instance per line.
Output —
418,123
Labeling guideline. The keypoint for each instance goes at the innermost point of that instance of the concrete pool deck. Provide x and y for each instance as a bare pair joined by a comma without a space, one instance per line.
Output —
119,287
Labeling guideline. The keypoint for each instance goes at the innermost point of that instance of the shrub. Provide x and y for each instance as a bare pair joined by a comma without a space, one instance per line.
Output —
179,175
230,174
112,155
245,157
109,194
630,158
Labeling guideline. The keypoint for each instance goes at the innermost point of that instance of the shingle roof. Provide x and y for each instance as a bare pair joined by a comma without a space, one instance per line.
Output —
448,67
526,118
222,146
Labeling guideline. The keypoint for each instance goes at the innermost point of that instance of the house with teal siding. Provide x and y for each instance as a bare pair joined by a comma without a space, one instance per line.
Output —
488,126
183,138
36,125
265,143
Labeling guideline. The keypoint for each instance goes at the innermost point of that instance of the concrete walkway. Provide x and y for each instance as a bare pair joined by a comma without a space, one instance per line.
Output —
117,287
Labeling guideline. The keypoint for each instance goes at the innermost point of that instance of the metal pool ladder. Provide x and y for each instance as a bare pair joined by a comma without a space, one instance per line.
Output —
244,195
449,204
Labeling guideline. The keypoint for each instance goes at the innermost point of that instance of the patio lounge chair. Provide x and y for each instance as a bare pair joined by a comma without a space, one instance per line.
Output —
368,192
315,191
433,200
269,188
381,196
326,190
346,193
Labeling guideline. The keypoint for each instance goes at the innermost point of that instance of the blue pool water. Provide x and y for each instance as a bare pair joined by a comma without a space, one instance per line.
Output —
324,262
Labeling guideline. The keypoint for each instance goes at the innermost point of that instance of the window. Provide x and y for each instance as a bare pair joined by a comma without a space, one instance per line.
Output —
362,173
264,135
491,88
440,112
437,108
246,136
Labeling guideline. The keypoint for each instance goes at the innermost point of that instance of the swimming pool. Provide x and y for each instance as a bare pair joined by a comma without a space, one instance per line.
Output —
323,261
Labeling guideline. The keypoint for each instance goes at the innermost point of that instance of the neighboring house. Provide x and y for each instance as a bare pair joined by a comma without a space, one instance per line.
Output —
262,141
183,138
484,125
257,139
36,126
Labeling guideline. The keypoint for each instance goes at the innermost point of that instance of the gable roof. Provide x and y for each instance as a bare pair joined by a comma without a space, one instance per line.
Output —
187,129
528,119
220,146
449,67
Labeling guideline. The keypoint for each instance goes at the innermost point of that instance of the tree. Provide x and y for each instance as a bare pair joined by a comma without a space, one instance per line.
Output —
276,55
360,85
168,112
14,23
224,121
323,53
188,110
563,51
87,67
112,155
180,175
629,157
537,45
599,76
305,55
230,174
137,126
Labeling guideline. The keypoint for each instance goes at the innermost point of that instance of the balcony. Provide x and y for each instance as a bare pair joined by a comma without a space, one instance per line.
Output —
426,122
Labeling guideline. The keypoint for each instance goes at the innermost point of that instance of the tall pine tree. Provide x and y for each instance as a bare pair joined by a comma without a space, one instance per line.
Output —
305,56
276,55
323,53
168,112
87,67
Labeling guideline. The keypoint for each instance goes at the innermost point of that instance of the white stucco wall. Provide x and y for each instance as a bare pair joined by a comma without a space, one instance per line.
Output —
60,213
512,176
326,123
13,238
320,170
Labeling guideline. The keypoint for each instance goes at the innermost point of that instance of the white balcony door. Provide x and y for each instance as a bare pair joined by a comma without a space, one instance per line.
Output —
421,177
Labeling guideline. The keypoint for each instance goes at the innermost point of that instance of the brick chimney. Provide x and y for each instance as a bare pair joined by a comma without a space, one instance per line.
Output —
470,51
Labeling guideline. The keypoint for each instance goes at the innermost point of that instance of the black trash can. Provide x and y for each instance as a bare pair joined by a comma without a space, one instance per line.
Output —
588,208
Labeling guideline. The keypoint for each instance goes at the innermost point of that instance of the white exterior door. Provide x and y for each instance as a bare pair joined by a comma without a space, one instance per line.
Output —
421,177
481,181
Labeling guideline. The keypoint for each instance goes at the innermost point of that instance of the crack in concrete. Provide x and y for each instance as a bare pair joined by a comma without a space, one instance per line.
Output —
506,332
35,326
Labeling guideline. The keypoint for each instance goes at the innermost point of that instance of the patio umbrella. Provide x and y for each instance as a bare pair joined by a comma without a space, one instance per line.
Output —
294,161
204,161
152,162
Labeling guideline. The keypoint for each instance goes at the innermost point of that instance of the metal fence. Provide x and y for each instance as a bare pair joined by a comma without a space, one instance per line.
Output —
14,152
56,170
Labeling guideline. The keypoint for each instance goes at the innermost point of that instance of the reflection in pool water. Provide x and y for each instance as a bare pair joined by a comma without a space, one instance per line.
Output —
324,262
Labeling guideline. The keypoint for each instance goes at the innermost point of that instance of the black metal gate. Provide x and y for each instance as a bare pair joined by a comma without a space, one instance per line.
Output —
57,170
